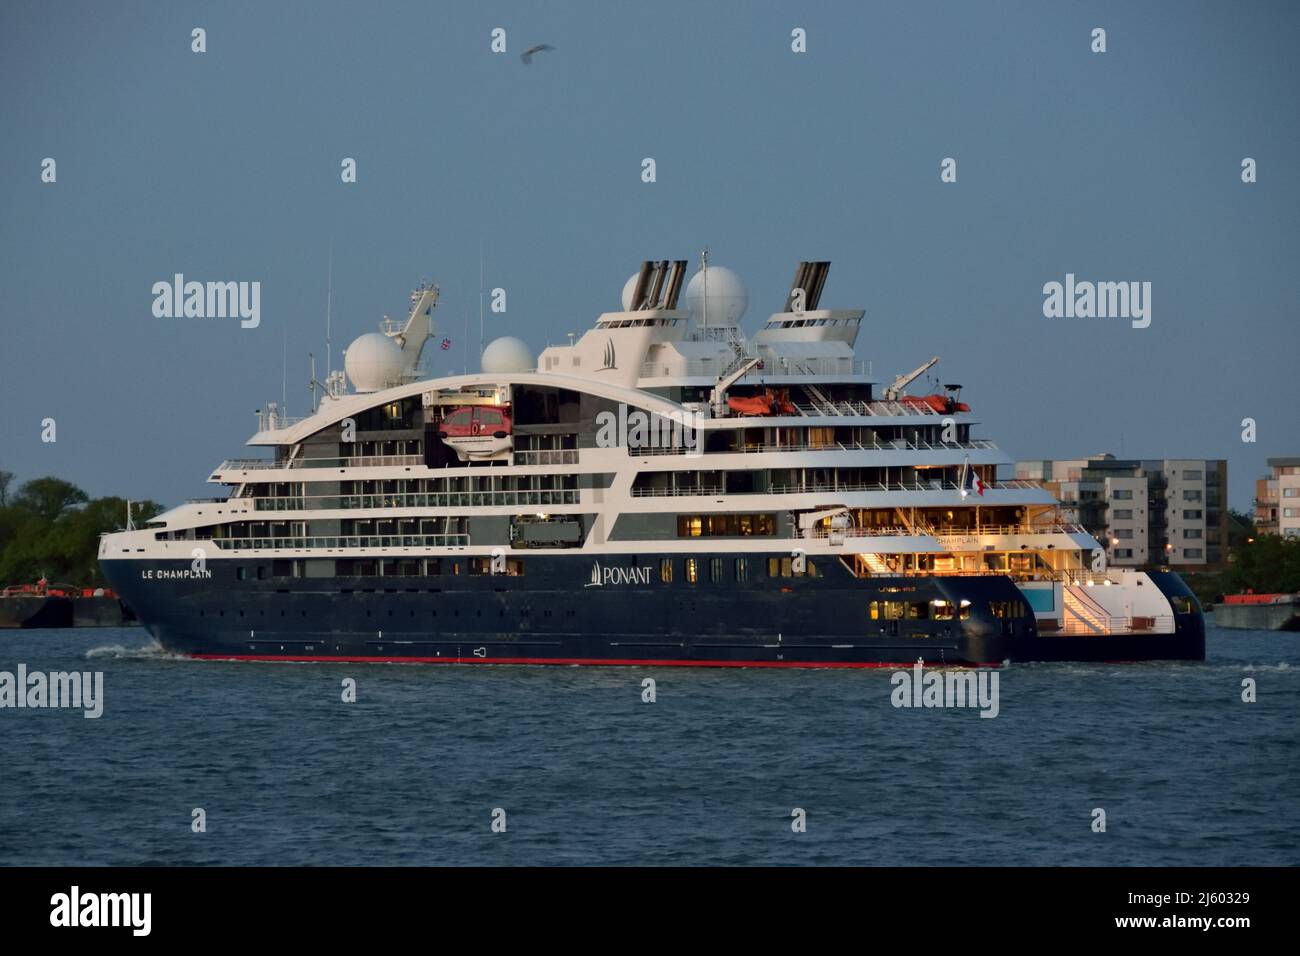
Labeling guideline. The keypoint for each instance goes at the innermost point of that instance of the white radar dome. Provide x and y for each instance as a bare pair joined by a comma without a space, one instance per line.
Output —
628,288
373,361
726,296
508,354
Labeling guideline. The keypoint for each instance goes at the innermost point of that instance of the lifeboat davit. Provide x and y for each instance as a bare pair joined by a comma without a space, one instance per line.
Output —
478,431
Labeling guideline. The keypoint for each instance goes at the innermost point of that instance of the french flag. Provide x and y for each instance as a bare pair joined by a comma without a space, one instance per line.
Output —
971,481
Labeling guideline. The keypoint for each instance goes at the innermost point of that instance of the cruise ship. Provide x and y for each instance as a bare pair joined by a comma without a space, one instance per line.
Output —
661,490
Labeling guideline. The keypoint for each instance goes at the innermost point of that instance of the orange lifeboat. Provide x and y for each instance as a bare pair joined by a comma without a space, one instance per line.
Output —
770,402
941,404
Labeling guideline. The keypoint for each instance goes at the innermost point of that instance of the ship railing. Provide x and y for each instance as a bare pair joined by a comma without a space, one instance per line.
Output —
882,531
1061,528
431,499
895,445
274,421
929,484
1110,624
880,408
337,542
677,492
644,451
252,464
547,456
352,461
698,368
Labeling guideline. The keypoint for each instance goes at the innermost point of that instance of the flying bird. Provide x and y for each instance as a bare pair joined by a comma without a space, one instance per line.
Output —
528,54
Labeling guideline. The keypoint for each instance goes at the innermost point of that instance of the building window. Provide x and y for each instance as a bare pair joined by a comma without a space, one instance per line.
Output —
1193,553
1192,514
1122,494
1123,532
1191,533
1192,475
1123,552
1123,514
1291,492
1191,496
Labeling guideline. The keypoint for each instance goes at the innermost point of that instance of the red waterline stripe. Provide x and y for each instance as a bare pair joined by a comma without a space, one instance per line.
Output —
594,661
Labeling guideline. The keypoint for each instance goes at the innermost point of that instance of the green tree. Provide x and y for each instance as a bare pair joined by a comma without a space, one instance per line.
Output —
51,529
48,497
1267,565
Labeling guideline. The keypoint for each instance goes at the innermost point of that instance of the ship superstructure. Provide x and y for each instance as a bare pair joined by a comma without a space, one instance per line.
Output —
664,490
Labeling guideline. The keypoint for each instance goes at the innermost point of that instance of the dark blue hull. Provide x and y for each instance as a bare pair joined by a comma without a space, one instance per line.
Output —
555,614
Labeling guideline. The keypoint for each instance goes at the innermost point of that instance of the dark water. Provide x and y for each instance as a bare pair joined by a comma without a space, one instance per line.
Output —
587,773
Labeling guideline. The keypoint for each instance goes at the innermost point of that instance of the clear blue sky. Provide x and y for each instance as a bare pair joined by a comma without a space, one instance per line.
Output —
225,166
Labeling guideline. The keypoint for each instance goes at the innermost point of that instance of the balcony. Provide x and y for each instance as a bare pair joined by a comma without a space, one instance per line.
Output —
354,461
435,499
343,542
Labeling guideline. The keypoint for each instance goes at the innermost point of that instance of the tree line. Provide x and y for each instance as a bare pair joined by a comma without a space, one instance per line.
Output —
50,528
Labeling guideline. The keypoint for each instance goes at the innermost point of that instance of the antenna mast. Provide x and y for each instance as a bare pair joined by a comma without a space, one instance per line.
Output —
704,267
480,303
329,300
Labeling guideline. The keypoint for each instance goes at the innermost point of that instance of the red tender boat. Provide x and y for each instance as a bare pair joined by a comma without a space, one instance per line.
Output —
478,431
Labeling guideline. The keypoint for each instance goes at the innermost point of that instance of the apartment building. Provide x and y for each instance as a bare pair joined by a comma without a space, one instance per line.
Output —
1147,512
1277,498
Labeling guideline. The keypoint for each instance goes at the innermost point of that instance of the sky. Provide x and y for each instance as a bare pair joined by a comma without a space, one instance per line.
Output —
226,166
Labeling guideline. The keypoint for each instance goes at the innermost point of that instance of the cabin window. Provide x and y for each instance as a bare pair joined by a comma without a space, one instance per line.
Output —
666,570
742,569
692,571
1007,609
890,610
715,570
